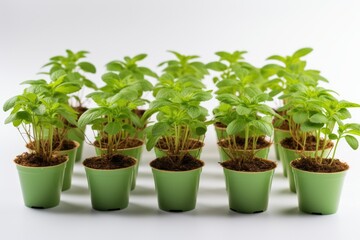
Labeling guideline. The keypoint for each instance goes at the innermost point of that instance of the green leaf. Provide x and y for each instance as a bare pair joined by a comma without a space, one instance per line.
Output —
160,129
263,127
90,115
302,52
235,127
90,84
114,66
308,126
277,57
67,88
112,128
228,98
21,116
318,118
10,103
216,66
352,141
34,82
300,117
59,74
147,72
194,112
241,110
87,67
333,136
139,57
151,142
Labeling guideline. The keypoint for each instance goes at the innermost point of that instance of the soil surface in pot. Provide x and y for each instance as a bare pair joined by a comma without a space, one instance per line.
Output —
220,125
249,165
107,163
177,163
309,146
139,112
191,144
129,143
309,164
240,143
65,145
281,124
36,160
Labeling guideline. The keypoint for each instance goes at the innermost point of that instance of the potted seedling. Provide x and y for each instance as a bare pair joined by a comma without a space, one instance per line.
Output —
316,119
235,75
248,174
110,174
282,75
37,114
177,137
76,70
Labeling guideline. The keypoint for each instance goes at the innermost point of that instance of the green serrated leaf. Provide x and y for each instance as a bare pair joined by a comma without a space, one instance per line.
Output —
216,66
318,118
112,128
10,103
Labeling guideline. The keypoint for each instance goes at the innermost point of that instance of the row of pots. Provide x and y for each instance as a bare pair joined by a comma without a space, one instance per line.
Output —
248,192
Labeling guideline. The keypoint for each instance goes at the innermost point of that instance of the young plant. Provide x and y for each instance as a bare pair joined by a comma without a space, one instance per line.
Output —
181,73
38,113
75,69
248,124
291,71
314,114
114,120
180,120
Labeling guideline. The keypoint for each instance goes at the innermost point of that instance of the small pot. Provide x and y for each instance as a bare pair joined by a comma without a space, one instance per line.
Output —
176,190
110,189
77,135
318,193
134,152
287,155
41,186
220,132
248,192
260,153
279,135
71,153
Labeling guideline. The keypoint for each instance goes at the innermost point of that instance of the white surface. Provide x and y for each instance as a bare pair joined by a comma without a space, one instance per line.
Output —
32,31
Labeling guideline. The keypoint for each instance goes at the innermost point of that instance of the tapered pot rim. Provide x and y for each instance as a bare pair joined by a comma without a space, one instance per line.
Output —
170,171
245,172
110,170
317,173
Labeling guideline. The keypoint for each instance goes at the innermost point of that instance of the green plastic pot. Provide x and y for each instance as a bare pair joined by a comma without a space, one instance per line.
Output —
279,135
220,132
196,152
318,193
134,152
176,190
287,155
41,186
77,135
260,153
248,192
110,189
69,165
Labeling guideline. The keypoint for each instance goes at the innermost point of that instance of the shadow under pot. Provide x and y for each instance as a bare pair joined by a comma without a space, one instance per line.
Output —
288,154
248,184
109,180
41,183
318,192
261,151
133,149
177,182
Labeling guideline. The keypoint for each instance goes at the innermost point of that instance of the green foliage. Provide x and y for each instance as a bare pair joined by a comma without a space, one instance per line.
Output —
114,118
40,112
314,111
75,69
246,116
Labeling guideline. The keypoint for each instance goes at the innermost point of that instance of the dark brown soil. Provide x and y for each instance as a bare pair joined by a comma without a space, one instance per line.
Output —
309,164
220,125
114,162
80,110
35,160
240,143
254,165
176,163
129,143
281,124
309,146
66,145
191,144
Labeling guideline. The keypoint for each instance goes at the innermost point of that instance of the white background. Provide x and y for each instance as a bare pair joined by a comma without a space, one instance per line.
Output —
32,31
